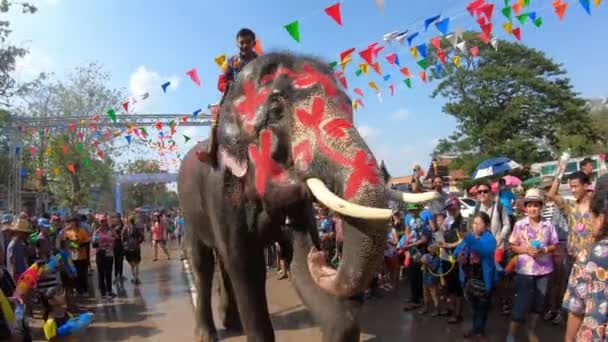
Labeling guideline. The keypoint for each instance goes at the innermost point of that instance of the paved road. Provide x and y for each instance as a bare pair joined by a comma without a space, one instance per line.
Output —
161,310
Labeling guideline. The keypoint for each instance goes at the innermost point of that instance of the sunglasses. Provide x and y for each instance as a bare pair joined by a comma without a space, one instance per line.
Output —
483,191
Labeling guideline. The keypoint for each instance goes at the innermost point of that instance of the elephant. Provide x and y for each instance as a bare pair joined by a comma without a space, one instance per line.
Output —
286,138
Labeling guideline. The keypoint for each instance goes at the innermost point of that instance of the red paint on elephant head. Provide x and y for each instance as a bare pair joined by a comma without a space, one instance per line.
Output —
247,105
266,168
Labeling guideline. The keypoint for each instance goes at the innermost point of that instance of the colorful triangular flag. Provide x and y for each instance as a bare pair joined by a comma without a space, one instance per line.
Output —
193,74
443,26
334,12
293,28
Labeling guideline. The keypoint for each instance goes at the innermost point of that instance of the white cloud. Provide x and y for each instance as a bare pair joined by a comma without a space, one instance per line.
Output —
368,132
33,64
144,81
400,114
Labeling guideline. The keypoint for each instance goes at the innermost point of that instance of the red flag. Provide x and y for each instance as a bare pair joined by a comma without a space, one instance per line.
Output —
475,51
32,150
392,89
441,55
487,29
334,12
343,81
484,37
377,50
376,67
436,42
560,8
406,71
93,127
517,33
391,58
346,53
366,55
185,119
125,105
517,8
481,21
258,47
359,92
193,74
158,125
72,168
72,126
488,10
423,76
100,154
474,5
95,117
360,102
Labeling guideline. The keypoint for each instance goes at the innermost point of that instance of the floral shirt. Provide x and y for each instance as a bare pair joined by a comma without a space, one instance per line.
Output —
524,234
587,294
579,236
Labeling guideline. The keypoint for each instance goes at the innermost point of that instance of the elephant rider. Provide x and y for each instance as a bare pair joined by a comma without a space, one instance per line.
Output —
245,41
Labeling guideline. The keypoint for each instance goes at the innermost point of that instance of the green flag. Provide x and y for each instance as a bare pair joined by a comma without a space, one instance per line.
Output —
507,12
80,147
333,64
408,82
186,138
112,115
522,18
86,162
294,30
423,64
538,22
526,3
358,72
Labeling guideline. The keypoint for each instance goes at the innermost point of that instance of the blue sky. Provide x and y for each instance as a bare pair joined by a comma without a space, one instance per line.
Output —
145,43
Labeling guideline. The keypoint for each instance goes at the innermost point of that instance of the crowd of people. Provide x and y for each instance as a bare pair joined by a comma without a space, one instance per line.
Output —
504,255
82,243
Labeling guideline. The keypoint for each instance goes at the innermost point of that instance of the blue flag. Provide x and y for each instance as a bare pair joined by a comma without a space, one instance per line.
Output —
165,85
443,26
410,38
430,20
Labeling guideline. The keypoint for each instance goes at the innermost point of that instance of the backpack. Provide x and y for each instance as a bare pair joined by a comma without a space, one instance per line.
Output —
499,209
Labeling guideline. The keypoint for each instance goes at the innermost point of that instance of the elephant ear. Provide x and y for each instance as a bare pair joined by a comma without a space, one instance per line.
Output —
231,163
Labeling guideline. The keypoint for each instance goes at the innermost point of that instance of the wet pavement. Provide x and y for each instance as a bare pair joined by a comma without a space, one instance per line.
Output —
160,309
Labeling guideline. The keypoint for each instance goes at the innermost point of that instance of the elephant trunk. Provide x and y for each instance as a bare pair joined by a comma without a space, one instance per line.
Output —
364,242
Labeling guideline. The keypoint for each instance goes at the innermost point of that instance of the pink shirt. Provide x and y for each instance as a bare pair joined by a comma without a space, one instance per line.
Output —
158,231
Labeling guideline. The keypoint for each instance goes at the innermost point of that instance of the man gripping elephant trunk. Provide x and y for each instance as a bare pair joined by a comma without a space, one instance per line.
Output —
285,136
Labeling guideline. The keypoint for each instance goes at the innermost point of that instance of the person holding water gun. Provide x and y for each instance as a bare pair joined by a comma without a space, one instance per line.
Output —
58,322
533,240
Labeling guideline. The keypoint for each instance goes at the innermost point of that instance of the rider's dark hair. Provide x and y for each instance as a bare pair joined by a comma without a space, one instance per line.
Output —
245,32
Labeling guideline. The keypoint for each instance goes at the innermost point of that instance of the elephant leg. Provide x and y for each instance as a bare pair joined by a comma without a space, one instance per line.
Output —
203,265
227,307
247,273
337,317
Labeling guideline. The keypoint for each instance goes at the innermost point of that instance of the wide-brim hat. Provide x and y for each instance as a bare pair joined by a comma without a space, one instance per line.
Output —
21,225
534,195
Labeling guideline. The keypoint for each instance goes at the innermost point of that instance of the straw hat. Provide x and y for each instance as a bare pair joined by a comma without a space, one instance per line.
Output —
21,225
534,195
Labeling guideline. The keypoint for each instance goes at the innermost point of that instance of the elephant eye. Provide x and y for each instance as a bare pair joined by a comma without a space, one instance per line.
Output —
276,107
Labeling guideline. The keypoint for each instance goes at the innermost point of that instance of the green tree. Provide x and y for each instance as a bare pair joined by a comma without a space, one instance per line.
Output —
137,195
514,101
9,54
67,157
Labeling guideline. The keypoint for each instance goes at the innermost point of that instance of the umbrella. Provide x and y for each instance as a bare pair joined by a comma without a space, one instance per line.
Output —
512,181
494,166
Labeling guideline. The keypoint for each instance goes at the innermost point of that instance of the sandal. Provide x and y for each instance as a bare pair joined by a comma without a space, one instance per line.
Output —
454,319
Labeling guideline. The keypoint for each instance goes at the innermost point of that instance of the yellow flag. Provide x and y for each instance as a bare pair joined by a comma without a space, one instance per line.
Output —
508,27
83,121
522,3
457,61
354,104
345,62
373,85
597,2
219,60
414,52
56,171
364,68
117,133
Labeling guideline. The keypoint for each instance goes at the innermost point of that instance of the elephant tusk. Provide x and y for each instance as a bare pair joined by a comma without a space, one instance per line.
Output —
412,198
337,204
